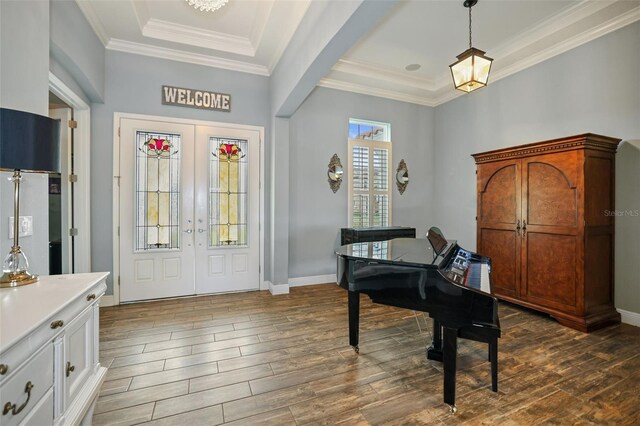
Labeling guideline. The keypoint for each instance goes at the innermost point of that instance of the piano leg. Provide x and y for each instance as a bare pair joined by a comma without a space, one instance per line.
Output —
434,352
354,320
450,354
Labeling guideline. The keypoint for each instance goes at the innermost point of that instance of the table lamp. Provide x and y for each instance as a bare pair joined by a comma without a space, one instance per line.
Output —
28,143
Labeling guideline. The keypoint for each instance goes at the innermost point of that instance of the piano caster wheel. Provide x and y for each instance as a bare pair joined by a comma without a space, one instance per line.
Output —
453,409
356,349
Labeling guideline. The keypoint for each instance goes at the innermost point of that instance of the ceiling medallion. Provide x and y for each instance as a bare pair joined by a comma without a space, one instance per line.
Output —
207,5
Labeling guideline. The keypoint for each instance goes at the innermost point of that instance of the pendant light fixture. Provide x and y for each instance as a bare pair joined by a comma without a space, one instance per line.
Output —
471,70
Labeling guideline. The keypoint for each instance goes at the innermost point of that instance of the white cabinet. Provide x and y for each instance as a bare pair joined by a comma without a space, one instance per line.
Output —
49,334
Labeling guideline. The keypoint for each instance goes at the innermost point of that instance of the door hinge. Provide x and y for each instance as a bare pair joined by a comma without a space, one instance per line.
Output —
118,280
118,231
73,178
73,124
118,131
476,218
117,177
73,232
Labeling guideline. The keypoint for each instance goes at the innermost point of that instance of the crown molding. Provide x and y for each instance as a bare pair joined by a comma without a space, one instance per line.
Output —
614,24
374,91
369,70
260,24
182,56
141,12
439,86
170,31
92,18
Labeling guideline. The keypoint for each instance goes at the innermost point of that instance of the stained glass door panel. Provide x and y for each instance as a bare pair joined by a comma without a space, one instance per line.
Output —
156,209
228,186
227,209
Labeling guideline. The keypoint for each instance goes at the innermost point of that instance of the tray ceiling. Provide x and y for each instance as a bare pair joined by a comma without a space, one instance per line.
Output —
251,35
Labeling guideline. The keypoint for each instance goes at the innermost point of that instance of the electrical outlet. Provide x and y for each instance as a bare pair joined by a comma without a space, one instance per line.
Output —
25,226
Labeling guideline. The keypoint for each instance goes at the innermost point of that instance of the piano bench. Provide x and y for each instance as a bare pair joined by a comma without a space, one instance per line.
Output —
489,335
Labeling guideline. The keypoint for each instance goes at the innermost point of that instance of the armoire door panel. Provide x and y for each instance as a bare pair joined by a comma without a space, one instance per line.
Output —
499,196
551,198
502,246
549,270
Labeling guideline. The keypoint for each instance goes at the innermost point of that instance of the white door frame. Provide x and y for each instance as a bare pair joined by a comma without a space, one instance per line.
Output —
117,116
82,168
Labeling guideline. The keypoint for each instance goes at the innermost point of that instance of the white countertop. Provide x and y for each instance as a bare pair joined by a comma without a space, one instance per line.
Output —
23,309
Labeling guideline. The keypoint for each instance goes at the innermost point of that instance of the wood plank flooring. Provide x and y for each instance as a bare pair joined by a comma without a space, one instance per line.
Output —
253,358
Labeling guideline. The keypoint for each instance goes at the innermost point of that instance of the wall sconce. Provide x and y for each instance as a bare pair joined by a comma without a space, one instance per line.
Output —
471,70
28,143
402,176
335,173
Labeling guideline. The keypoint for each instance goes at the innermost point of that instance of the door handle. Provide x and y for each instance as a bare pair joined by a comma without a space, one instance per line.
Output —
524,227
201,230
518,228
188,231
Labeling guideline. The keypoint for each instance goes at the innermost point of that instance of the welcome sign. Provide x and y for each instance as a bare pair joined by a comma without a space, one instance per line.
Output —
192,98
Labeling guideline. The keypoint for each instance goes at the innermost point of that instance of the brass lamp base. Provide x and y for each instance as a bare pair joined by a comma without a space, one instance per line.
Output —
18,278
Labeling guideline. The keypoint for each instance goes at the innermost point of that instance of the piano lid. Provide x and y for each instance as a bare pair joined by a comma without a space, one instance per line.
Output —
410,251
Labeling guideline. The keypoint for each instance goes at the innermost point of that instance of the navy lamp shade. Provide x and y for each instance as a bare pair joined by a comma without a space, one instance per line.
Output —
28,143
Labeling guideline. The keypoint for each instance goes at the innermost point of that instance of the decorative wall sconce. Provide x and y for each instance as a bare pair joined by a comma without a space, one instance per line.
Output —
402,176
335,173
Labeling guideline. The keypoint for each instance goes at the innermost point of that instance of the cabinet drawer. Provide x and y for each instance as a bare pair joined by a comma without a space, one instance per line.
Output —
42,412
38,371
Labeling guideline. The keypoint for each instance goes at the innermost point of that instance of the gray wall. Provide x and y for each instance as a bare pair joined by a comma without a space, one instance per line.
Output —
133,85
24,86
318,129
627,266
593,88
75,46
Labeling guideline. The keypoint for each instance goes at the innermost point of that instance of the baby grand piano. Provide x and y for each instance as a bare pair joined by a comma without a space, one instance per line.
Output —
431,275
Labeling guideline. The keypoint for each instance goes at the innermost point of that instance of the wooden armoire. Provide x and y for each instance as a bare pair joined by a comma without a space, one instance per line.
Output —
546,219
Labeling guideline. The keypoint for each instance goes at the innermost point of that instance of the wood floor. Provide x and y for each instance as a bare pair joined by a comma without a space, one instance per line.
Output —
253,358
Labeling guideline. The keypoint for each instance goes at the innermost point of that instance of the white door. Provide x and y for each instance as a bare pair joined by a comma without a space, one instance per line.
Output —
189,209
156,210
65,190
227,214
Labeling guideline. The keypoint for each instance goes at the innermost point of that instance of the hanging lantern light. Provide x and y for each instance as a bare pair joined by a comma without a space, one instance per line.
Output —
471,70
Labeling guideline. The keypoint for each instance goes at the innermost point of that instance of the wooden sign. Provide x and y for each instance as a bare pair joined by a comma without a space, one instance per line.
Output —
192,98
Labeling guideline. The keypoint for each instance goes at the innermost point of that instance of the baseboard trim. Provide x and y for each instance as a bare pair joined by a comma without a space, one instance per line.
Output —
277,289
312,280
108,300
631,318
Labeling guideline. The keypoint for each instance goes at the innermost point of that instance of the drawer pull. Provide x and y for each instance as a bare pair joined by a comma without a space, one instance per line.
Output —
3,369
56,324
91,297
70,368
9,407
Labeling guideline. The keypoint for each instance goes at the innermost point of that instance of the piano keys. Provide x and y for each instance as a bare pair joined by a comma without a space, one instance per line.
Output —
449,283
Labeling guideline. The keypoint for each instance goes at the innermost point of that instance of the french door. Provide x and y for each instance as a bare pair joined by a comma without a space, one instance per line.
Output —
189,209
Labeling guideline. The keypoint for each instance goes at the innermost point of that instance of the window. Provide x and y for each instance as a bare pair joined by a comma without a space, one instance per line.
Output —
369,173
